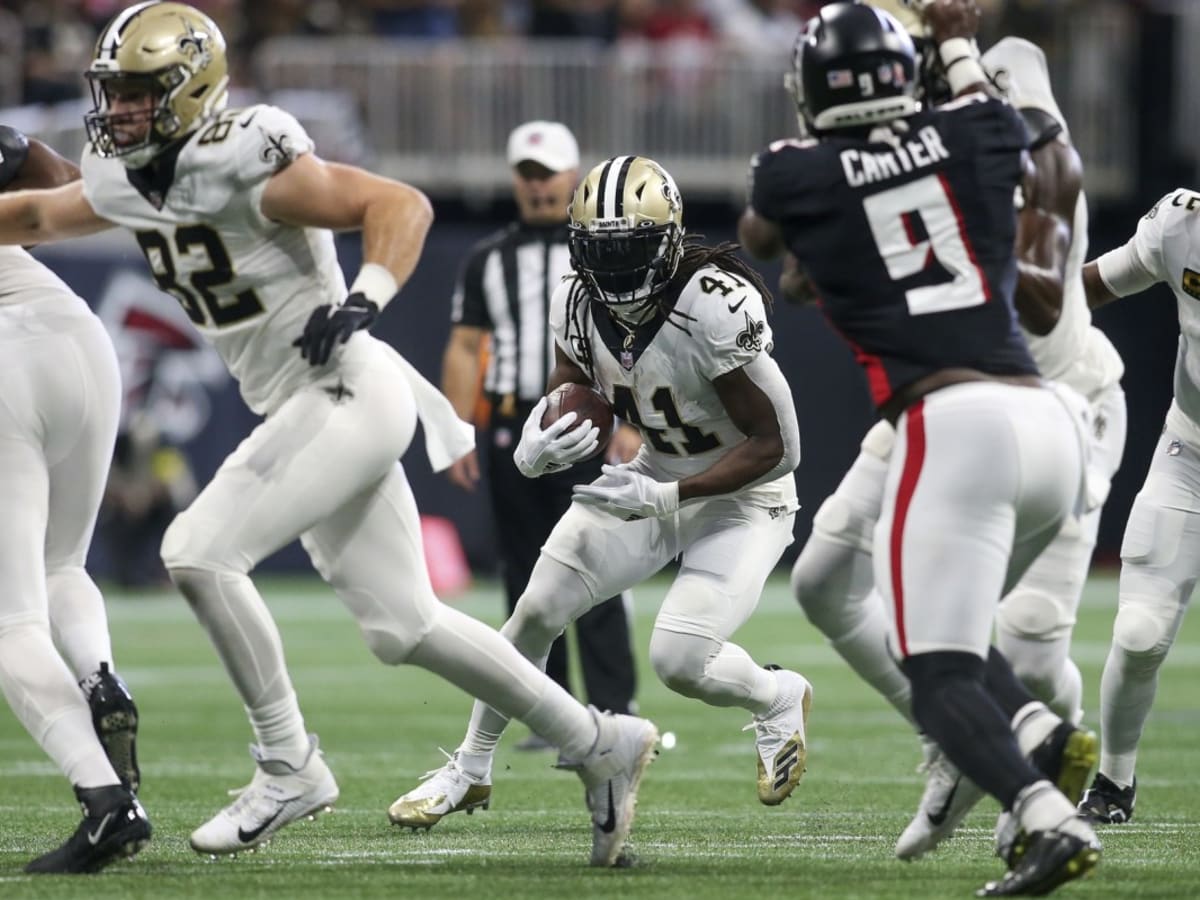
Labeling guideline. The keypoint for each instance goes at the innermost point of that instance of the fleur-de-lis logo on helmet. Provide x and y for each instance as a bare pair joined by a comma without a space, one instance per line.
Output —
194,45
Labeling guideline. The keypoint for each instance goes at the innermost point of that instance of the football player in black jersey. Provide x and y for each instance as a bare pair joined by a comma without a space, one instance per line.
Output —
903,219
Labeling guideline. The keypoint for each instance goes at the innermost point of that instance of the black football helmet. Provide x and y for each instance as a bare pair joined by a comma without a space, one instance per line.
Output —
853,66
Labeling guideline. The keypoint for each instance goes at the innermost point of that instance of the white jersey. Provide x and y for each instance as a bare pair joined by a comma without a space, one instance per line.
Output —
1166,248
23,278
660,378
246,282
1074,352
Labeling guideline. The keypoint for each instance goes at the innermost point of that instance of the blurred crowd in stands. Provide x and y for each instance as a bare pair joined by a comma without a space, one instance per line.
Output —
51,40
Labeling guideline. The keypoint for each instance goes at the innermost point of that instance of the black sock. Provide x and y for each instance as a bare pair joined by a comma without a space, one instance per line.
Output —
1004,686
953,707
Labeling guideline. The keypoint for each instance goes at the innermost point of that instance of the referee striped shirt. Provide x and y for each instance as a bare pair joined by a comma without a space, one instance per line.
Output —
505,287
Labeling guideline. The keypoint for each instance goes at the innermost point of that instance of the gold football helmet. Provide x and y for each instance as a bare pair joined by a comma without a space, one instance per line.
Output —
170,53
626,232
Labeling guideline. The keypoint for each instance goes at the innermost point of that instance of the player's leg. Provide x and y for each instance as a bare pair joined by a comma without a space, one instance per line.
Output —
1159,567
833,578
314,454
602,634
370,552
525,516
1033,627
78,620
589,551
731,548
42,390
942,557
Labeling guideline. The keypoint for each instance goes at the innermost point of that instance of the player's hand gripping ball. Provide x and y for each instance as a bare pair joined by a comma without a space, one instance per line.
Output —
586,403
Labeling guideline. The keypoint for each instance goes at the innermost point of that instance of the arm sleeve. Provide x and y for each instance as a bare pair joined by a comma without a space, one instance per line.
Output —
468,305
767,376
1139,263
14,150
771,177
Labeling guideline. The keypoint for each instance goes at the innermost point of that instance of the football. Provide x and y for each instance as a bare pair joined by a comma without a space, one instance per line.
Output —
587,403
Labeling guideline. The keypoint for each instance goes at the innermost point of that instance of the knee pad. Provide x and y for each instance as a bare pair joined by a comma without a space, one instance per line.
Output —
1145,627
1032,614
186,544
932,673
830,581
679,660
554,598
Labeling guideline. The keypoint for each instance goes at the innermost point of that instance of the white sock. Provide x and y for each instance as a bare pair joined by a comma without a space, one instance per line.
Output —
45,698
78,621
279,729
1127,690
1042,807
1032,724
477,659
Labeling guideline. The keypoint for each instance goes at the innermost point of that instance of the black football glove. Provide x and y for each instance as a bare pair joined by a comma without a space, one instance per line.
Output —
331,325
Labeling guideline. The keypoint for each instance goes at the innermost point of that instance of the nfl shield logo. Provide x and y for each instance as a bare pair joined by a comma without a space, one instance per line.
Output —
626,359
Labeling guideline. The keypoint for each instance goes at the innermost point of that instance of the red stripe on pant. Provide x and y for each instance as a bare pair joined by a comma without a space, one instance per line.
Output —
914,458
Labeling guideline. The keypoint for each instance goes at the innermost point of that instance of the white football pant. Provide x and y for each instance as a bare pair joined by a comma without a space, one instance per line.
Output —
60,396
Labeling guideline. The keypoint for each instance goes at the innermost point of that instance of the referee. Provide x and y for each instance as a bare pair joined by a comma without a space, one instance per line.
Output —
504,291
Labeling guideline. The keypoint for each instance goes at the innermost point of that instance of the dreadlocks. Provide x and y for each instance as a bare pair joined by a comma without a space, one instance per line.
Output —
696,254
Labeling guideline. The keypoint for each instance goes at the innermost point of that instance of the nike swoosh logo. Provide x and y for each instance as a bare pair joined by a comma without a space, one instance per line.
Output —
734,307
939,817
248,119
247,836
609,824
94,836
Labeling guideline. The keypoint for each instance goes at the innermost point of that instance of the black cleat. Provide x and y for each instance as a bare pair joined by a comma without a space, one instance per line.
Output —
115,718
1106,804
1051,858
114,825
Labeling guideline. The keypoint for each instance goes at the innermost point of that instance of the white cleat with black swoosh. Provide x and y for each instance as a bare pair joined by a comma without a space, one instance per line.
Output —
611,774
947,799
276,796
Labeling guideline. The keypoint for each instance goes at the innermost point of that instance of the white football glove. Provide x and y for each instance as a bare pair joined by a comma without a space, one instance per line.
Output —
629,495
553,449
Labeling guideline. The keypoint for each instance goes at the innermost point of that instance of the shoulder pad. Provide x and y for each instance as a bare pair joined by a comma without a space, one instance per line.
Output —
14,150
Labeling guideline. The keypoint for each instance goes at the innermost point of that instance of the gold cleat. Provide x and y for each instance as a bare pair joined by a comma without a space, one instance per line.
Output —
447,790
782,740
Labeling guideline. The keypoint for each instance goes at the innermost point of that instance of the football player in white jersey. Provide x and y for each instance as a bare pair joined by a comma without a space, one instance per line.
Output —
1159,564
832,578
675,335
60,396
234,213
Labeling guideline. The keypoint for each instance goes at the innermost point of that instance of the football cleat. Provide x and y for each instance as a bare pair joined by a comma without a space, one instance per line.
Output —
1106,804
780,740
611,774
1066,757
445,790
276,796
947,799
115,718
114,826
1051,858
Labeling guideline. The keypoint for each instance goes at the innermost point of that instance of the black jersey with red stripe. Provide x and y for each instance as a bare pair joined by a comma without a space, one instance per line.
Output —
909,240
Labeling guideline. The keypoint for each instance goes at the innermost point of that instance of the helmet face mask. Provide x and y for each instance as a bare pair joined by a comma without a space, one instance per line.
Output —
169,54
853,66
626,234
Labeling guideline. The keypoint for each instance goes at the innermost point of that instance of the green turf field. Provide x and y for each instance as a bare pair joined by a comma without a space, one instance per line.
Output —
700,832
